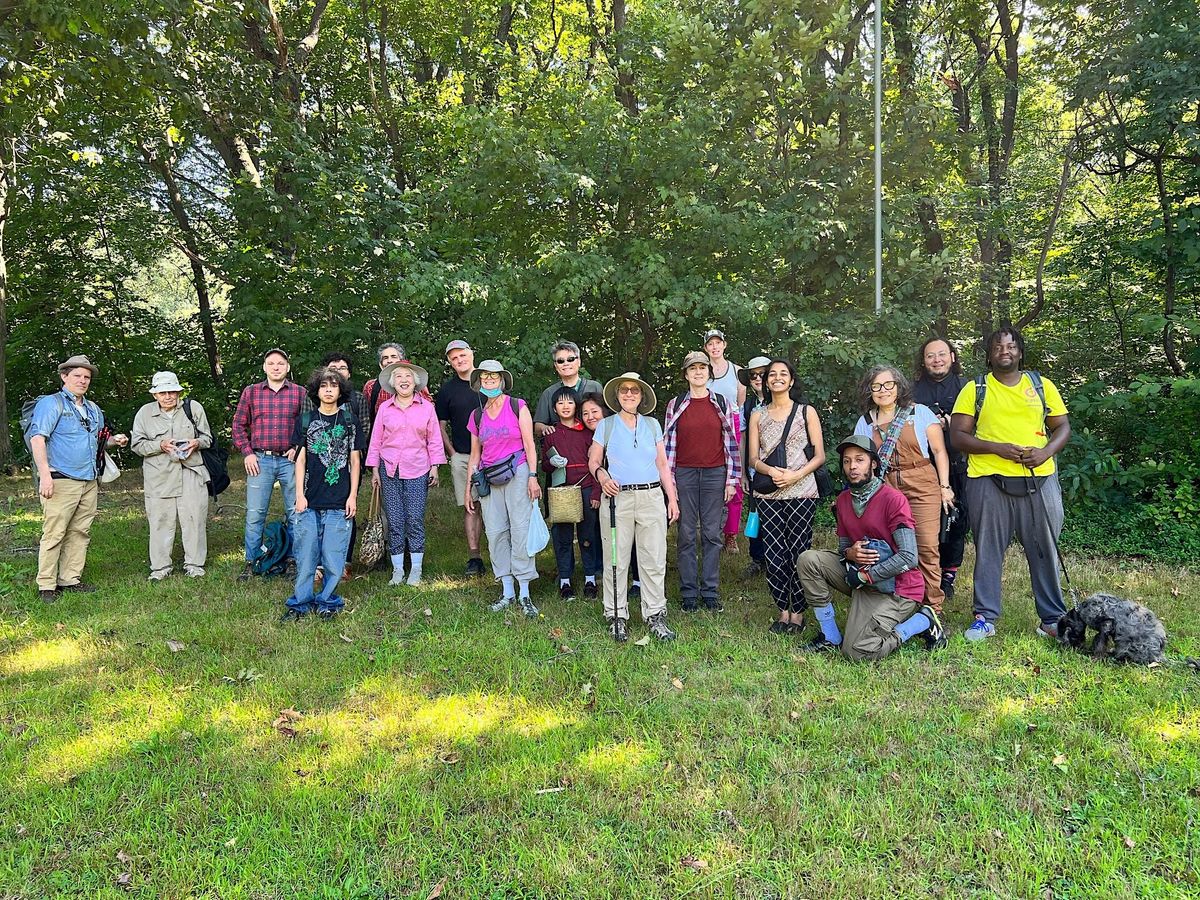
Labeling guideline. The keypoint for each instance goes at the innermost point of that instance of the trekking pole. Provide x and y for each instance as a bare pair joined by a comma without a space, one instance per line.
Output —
612,541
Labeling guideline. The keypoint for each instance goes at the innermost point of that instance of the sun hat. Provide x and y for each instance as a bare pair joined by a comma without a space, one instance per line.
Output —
78,362
456,345
648,401
759,362
491,365
696,356
862,442
164,381
712,333
385,377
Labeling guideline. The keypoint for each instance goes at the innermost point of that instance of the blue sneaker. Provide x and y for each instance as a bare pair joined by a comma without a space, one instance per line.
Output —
981,629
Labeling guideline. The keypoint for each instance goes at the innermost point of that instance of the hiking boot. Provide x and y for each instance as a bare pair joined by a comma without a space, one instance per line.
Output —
981,629
80,588
292,615
527,607
731,544
194,572
327,613
657,625
619,629
714,605
502,604
474,566
778,627
753,569
48,596
566,591
590,590
690,605
247,572
821,644
935,634
289,569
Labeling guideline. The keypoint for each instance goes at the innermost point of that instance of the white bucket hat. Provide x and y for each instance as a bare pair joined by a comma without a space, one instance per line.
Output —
421,376
491,365
164,381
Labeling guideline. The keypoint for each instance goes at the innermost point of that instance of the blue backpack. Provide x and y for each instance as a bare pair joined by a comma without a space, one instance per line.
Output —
277,547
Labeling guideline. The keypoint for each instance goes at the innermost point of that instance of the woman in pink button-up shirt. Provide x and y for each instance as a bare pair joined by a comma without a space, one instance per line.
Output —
406,449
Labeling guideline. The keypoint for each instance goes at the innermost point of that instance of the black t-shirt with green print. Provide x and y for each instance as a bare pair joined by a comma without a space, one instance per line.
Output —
327,442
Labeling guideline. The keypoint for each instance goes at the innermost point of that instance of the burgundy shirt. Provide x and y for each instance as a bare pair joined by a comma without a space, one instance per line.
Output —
886,511
573,444
264,418
700,441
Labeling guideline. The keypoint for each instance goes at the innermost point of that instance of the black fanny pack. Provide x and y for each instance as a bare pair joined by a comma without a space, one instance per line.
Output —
1019,485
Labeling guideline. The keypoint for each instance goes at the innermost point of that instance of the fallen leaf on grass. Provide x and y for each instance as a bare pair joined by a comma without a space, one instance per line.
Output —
696,865
587,689
643,641
125,880
448,758
244,676
553,790
895,776
283,723
21,830
176,646
1031,727
1060,762
677,684
59,626
437,890
124,858
1130,842
231,843
428,613
794,715
346,638
556,633
1036,669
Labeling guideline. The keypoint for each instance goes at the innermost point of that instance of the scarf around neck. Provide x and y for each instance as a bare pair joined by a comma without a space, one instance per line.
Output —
860,495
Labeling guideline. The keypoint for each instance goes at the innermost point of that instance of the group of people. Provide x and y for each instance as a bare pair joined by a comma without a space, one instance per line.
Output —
929,459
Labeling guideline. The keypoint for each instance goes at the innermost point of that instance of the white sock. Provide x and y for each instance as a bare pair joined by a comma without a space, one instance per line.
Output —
414,576
397,568
589,579
507,581
525,589
636,583
564,582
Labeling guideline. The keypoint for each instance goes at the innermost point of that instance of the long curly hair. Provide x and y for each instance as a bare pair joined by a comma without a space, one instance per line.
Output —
324,375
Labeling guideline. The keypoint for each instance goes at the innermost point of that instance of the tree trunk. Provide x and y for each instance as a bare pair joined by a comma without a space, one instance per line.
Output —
624,88
8,178
1168,217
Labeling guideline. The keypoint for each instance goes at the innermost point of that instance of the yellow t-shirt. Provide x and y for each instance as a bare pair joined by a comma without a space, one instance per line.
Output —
1010,415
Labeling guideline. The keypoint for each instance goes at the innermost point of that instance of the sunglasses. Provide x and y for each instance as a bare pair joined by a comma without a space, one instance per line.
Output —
883,386
565,360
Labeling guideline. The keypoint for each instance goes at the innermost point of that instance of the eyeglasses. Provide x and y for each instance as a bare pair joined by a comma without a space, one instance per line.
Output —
754,375
634,389
883,386
343,368
565,360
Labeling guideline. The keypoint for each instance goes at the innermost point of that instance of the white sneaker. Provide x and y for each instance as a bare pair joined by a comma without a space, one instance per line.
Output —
160,576
414,577
397,577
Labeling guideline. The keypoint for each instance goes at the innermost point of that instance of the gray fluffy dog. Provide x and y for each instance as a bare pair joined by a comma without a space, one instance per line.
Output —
1135,633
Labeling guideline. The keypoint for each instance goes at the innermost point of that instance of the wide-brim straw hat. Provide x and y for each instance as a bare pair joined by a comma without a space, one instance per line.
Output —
164,381
648,402
759,362
491,365
385,377
78,362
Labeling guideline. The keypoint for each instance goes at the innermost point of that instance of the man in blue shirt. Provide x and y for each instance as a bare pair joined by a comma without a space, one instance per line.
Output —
64,437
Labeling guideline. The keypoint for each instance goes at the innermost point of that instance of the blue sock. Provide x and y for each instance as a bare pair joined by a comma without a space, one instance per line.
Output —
828,623
913,626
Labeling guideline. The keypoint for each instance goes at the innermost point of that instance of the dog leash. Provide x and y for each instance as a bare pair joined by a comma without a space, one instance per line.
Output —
1062,563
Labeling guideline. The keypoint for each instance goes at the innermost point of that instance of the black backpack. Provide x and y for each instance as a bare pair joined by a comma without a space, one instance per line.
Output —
1034,376
216,457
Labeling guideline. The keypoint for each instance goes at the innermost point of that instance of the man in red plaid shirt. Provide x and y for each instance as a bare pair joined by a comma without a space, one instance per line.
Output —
262,433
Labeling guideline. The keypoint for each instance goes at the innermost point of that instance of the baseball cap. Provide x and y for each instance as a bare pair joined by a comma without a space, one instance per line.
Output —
456,345
712,333
278,350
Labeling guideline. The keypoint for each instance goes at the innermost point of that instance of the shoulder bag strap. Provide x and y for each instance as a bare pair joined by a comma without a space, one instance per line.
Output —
787,427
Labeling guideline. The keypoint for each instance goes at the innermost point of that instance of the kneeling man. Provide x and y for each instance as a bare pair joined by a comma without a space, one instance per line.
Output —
876,564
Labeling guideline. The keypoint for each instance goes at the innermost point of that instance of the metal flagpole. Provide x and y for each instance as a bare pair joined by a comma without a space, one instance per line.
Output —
878,157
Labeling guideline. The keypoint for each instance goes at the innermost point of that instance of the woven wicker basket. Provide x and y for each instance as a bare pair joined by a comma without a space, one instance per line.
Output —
564,504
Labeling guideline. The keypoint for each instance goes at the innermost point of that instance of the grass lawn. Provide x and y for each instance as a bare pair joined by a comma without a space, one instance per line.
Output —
437,746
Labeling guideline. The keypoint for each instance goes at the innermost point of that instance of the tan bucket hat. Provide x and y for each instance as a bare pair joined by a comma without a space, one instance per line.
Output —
648,402
385,377
78,362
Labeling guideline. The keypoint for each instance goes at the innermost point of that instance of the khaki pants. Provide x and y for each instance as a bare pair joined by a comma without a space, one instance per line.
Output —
870,631
190,510
66,531
643,513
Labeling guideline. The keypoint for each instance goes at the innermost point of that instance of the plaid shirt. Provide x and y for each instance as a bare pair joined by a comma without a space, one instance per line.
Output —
264,418
358,406
729,434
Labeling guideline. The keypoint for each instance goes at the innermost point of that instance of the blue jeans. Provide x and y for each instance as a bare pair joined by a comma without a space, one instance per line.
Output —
322,535
258,499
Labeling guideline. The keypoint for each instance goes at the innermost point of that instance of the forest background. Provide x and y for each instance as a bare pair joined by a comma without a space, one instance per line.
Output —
185,183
